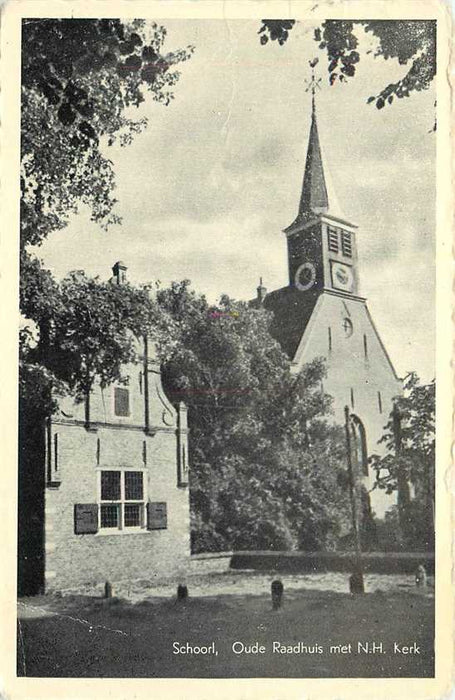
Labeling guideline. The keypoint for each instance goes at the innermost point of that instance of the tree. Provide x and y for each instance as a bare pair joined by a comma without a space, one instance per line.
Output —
88,330
78,78
409,438
412,42
264,461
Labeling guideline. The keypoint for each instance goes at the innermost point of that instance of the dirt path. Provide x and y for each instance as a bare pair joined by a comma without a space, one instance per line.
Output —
315,634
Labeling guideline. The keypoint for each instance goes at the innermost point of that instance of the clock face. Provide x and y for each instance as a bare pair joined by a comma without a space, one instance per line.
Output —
342,277
305,276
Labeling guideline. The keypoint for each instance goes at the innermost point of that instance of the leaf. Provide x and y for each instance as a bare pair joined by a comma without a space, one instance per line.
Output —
66,114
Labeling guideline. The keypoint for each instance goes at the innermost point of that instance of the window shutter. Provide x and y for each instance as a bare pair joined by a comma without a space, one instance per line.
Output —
86,518
156,516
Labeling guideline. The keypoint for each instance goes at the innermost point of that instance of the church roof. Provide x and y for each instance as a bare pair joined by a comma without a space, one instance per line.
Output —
292,312
318,194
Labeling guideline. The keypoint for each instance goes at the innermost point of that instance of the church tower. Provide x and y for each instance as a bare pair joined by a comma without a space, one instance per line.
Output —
321,312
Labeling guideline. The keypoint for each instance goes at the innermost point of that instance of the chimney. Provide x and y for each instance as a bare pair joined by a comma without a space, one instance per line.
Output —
261,292
119,272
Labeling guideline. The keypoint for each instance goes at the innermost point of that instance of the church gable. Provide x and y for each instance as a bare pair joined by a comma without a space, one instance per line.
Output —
341,330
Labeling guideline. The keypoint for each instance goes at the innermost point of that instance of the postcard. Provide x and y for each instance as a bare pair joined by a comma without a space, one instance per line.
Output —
226,273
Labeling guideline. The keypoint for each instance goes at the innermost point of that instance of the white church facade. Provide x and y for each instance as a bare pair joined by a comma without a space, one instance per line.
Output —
322,314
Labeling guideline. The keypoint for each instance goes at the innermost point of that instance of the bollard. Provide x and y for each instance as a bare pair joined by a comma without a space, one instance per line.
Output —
182,592
277,594
108,590
356,583
421,576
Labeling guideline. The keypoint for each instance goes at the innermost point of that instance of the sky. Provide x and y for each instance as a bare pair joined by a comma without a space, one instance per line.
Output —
207,189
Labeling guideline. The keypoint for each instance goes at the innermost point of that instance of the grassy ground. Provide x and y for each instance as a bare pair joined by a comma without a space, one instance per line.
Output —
89,637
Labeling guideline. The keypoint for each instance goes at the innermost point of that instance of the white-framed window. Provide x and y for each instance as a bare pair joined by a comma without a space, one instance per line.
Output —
122,495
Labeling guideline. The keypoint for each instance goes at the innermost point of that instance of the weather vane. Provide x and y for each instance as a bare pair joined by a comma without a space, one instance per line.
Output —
313,83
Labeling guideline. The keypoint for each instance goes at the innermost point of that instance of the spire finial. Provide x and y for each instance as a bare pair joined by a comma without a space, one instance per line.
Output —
260,281
313,83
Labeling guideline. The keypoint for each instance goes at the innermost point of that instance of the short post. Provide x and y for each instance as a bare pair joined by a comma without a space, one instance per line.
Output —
356,583
182,592
108,590
421,576
277,594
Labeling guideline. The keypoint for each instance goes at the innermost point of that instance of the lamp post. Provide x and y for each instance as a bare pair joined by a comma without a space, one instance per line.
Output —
357,583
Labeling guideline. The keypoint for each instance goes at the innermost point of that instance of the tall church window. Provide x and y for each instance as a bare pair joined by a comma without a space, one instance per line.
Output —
330,339
352,398
379,402
346,244
365,346
121,401
332,238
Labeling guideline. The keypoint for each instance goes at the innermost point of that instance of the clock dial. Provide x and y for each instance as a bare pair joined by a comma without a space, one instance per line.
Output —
305,276
342,277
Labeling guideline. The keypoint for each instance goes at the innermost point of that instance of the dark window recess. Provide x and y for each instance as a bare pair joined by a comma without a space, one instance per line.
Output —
110,486
56,452
144,452
330,339
122,401
133,487
133,515
379,402
346,244
332,238
109,516
365,346
140,382
352,398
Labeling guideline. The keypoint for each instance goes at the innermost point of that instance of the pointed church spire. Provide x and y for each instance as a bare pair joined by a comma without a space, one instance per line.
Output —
314,198
318,196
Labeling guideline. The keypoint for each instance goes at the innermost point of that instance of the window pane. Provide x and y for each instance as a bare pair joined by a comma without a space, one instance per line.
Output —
133,515
110,486
133,486
122,401
109,516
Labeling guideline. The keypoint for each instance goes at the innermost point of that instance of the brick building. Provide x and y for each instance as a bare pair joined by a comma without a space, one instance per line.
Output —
108,499
322,314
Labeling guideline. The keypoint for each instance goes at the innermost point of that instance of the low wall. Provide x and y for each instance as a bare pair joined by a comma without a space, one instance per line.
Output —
318,562
210,563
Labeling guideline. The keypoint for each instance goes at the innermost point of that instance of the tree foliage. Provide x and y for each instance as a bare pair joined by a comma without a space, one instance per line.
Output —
409,439
264,462
79,77
88,330
411,42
